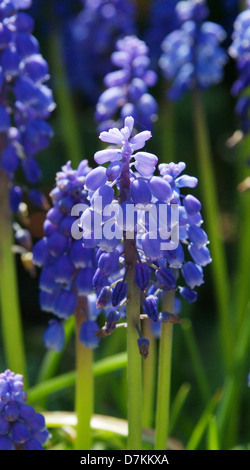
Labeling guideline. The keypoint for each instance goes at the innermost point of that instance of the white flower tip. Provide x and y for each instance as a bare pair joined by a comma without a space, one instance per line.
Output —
129,122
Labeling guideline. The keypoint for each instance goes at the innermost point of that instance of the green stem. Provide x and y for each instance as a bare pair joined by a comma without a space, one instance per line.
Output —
84,397
211,208
12,333
65,105
134,368
149,378
133,310
164,378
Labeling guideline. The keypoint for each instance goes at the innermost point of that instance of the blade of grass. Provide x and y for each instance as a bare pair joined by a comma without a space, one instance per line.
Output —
65,104
213,438
62,381
178,404
228,411
198,367
111,424
203,422
167,129
242,284
211,209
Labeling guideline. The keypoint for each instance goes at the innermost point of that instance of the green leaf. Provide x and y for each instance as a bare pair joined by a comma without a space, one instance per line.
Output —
60,382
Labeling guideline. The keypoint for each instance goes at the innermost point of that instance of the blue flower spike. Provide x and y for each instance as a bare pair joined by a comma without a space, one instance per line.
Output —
141,208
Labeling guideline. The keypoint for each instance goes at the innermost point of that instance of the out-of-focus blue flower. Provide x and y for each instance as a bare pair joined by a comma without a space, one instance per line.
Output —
21,427
67,268
90,39
26,102
140,207
162,20
192,56
126,91
230,10
240,52
53,14
62,9
54,337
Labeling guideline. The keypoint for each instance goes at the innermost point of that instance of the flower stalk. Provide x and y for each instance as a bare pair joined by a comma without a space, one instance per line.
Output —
84,394
9,297
134,367
149,378
164,377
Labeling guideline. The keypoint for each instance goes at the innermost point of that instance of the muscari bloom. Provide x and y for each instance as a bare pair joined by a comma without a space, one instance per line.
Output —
90,39
192,55
126,91
25,101
21,427
67,268
240,52
162,263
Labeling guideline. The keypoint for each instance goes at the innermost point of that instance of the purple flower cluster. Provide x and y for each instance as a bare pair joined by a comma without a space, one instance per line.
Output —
90,39
67,267
21,428
192,56
126,91
161,261
25,101
240,51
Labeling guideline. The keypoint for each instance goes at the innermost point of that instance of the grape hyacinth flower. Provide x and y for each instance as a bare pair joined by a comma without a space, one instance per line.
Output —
25,101
90,39
239,50
67,268
126,91
21,427
192,55
151,246
144,238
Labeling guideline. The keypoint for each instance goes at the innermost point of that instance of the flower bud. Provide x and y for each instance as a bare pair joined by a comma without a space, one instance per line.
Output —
166,277
150,307
142,275
119,292
143,344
